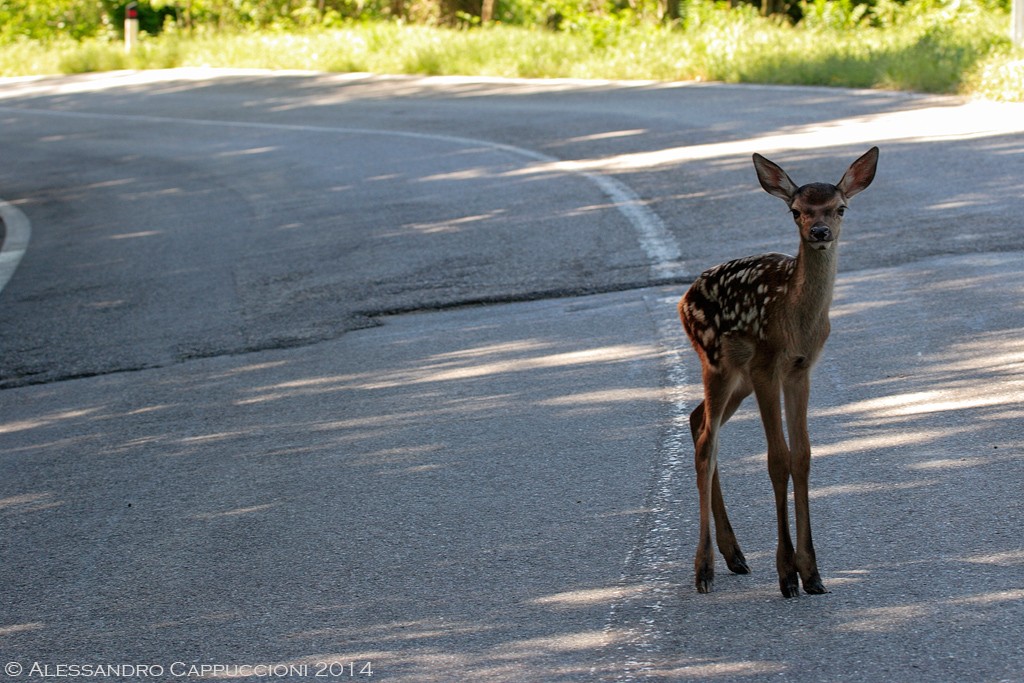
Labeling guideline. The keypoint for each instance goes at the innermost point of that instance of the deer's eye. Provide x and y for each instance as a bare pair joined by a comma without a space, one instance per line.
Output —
796,213
841,211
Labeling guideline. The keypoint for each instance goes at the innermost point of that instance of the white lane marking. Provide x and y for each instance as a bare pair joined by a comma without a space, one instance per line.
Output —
655,239
19,231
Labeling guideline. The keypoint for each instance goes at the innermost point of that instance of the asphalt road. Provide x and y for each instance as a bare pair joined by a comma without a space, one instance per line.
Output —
304,376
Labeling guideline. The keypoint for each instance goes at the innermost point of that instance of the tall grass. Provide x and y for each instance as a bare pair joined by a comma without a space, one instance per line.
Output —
960,48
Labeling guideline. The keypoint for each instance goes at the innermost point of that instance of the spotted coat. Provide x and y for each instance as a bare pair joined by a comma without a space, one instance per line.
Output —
735,297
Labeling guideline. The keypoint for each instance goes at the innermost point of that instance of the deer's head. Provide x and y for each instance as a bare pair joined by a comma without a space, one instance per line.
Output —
817,208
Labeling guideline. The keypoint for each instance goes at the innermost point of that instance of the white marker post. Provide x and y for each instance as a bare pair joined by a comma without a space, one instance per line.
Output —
131,26
1017,30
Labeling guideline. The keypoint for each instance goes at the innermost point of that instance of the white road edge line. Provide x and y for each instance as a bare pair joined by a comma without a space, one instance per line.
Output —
19,232
655,566
655,239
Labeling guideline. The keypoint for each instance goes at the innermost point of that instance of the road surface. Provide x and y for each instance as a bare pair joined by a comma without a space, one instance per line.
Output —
315,376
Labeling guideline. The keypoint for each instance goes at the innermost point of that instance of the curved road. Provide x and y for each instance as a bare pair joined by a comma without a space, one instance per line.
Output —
327,372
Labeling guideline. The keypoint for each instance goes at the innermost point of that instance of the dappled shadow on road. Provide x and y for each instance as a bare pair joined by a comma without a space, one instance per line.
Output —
684,147
130,247
917,428
289,233
459,496
466,502
691,142
297,155
448,496
269,92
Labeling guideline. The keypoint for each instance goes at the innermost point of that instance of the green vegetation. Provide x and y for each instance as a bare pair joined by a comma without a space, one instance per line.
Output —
941,46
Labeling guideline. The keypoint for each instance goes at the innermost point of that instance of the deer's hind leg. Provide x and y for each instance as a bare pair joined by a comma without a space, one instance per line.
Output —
724,393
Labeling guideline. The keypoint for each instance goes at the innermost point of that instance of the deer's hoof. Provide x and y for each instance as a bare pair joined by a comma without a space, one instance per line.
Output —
789,585
738,563
705,579
704,569
814,586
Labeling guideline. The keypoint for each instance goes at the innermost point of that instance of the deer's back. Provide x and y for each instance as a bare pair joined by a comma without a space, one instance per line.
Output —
738,298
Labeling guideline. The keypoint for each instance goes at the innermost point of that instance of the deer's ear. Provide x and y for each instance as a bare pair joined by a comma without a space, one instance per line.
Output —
774,180
860,174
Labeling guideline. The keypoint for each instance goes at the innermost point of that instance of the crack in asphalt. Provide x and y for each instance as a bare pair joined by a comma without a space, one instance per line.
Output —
357,320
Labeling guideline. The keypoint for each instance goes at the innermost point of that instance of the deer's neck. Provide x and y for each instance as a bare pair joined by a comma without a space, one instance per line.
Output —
813,282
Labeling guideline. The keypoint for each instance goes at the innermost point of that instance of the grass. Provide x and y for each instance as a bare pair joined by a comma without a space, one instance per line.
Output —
964,50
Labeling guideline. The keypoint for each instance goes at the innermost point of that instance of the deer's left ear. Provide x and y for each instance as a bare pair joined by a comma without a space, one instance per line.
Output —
860,174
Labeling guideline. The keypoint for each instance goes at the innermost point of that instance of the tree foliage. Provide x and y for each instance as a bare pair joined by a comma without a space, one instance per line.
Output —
45,20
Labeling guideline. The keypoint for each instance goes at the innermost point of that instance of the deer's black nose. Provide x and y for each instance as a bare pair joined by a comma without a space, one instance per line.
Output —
821,233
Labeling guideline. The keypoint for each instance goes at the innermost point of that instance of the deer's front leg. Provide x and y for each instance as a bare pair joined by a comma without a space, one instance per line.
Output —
769,403
797,392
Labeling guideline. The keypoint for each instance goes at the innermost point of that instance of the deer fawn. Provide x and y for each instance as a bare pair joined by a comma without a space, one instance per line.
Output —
758,325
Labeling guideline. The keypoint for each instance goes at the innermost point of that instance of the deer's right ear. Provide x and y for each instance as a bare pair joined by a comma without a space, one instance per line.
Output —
774,180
